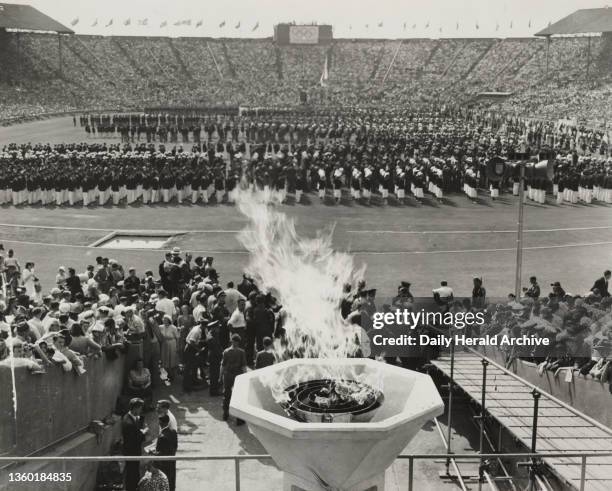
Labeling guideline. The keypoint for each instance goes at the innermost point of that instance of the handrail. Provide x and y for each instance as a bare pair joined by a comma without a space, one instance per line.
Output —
416,456
573,410
238,458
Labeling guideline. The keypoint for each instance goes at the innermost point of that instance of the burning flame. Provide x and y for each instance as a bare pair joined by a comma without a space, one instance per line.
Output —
307,277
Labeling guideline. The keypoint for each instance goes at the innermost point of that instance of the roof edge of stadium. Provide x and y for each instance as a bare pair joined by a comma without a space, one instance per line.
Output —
583,21
26,18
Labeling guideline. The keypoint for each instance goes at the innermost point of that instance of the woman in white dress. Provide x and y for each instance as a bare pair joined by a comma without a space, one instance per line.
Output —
169,353
28,279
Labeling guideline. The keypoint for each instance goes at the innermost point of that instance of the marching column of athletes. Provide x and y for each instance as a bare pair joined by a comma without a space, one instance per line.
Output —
150,176
379,153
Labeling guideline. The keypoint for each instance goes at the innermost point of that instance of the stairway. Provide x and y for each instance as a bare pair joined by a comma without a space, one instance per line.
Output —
480,58
179,60
279,62
430,57
377,62
137,68
230,65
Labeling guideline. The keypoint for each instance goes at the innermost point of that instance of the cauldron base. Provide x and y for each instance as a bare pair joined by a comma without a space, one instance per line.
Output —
292,482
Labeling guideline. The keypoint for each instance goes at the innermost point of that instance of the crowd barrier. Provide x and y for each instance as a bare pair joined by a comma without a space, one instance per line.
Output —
56,404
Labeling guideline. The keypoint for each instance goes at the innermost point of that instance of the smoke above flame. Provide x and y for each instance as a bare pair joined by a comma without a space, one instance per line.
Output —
307,277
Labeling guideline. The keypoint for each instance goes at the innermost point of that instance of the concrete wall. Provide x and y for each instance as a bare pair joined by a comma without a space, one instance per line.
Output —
83,474
56,404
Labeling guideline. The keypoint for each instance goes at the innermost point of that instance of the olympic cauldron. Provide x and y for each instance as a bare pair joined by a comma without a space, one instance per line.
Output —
322,438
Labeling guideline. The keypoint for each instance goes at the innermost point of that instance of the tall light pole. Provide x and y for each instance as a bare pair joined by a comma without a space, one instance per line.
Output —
519,231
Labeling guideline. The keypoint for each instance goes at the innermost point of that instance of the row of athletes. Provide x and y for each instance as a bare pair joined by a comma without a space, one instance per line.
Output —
370,127
46,175
107,179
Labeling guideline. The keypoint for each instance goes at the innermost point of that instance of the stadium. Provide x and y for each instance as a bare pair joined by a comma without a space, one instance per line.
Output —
185,217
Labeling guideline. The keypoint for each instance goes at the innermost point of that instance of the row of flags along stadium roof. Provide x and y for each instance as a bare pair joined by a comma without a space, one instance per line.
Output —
199,23
165,23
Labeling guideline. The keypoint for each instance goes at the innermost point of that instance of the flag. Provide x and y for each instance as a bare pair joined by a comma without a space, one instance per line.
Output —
222,24
164,24
199,23
95,23
256,26
74,21
127,22
110,23
237,26
325,74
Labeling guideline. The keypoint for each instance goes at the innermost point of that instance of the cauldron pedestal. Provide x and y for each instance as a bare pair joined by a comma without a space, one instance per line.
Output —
296,483
323,456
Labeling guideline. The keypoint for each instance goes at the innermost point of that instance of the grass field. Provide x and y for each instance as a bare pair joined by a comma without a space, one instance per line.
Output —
422,244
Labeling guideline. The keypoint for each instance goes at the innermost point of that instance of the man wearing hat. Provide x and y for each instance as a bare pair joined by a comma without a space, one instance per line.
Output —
233,364
167,444
557,291
215,355
220,313
193,358
133,433
601,285
534,289
132,282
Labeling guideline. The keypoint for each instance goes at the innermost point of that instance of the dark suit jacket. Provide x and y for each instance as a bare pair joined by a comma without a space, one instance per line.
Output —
131,434
602,285
167,442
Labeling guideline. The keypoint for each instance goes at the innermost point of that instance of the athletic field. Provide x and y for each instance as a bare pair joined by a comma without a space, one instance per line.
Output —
423,244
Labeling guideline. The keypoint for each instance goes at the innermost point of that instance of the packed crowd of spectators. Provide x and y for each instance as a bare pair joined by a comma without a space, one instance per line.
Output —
133,72
578,326
175,321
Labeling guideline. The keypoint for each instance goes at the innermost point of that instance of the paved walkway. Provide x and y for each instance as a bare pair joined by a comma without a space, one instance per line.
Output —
202,430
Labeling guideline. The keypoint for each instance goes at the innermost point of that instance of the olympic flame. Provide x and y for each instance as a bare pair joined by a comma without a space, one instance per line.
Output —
306,276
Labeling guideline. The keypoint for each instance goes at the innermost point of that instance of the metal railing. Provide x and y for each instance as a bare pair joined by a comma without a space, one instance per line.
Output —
536,392
238,458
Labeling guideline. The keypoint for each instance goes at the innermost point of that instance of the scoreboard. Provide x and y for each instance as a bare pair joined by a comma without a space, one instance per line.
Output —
302,34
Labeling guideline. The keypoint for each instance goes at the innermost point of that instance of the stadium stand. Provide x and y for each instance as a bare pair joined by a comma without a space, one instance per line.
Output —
547,78
131,72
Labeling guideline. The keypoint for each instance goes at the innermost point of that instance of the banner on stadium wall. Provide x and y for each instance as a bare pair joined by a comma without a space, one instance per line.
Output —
285,34
304,34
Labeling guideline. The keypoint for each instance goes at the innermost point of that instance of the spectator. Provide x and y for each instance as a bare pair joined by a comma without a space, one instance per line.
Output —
265,357
601,285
